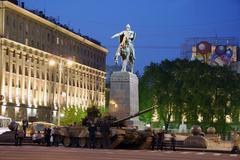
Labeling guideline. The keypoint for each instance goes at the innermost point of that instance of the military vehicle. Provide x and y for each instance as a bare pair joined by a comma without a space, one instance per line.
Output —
121,136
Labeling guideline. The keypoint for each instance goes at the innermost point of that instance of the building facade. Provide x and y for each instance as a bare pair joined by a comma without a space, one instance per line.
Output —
44,66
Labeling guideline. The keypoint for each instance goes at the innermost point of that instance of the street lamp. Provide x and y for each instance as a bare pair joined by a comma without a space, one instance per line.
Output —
61,66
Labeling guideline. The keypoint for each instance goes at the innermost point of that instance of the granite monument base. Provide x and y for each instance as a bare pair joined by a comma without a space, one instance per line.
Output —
124,97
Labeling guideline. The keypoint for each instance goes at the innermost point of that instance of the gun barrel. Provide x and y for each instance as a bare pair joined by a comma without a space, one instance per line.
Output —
135,115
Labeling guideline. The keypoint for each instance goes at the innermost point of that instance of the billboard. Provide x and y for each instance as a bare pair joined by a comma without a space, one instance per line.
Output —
215,54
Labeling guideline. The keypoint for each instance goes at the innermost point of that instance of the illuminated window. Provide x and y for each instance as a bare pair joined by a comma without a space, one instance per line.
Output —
57,40
26,41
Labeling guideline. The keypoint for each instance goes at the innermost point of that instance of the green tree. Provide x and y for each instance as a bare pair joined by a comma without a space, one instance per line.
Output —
204,94
72,114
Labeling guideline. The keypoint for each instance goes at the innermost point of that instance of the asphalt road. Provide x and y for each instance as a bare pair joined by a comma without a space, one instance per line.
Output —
62,153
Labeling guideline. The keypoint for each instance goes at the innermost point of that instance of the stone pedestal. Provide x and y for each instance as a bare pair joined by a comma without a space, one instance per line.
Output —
124,96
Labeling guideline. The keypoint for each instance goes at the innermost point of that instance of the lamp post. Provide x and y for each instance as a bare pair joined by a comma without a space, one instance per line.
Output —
61,66
59,90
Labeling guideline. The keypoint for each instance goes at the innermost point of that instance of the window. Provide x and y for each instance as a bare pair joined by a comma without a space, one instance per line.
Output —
26,71
19,84
7,52
26,41
32,43
14,68
14,23
57,40
7,67
48,37
32,73
26,84
48,76
20,55
20,69
13,83
52,77
38,74
26,28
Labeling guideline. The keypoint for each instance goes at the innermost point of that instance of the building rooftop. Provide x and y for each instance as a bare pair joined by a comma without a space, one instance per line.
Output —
53,20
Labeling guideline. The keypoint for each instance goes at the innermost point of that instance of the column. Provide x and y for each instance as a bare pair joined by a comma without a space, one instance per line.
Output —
45,101
23,78
3,71
10,76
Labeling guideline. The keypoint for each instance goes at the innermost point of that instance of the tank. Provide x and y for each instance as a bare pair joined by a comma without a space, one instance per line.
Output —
120,135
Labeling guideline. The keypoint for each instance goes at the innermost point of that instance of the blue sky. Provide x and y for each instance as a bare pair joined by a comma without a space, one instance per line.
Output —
161,25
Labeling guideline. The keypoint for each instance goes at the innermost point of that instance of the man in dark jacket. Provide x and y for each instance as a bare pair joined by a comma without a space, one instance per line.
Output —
105,132
92,134
173,141
160,141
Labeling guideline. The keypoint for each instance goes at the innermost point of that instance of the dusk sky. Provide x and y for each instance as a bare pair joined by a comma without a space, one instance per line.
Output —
161,25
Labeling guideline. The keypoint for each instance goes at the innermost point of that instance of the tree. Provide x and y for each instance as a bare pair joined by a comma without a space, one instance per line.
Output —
200,93
72,114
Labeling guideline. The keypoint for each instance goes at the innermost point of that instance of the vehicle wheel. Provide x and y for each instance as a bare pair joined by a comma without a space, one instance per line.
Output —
66,141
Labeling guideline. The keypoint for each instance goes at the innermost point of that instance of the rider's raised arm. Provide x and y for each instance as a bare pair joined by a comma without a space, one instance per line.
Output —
117,35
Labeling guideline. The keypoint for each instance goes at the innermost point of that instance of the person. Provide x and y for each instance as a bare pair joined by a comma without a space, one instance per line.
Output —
74,140
55,137
173,141
19,134
105,132
160,140
126,38
37,138
235,139
47,134
16,134
92,135
25,126
154,139
51,136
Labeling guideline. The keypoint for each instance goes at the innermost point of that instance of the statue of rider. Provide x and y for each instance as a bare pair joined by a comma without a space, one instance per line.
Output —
126,36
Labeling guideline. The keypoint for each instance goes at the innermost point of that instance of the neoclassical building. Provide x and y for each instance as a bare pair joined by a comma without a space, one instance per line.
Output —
44,66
